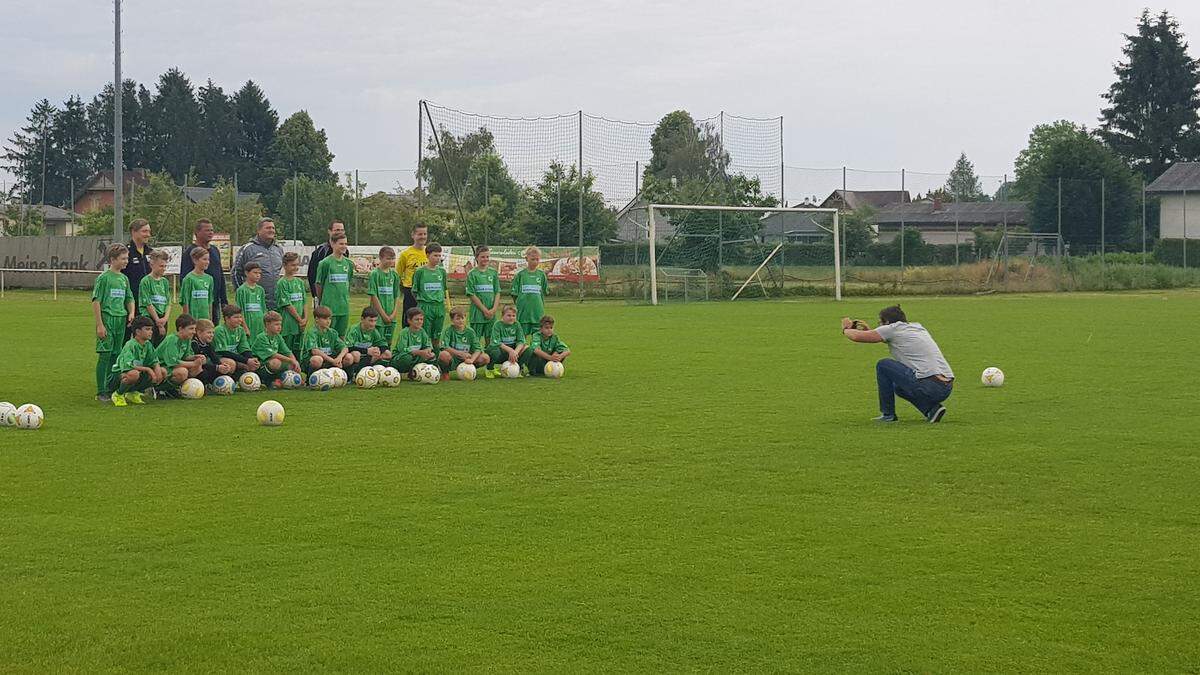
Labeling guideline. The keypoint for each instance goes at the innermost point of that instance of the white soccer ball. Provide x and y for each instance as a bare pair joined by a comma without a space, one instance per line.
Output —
29,407
192,388
250,381
553,369
292,380
222,385
378,369
270,414
8,414
29,416
320,380
391,377
367,378
340,378
510,370
992,377
466,372
427,373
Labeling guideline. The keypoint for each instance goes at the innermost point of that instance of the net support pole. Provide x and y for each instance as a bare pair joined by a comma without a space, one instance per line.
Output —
1143,227
420,152
580,261
357,199
118,141
653,257
837,258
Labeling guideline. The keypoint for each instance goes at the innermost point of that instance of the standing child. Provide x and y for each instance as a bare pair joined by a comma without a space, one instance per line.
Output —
252,298
195,290
366,340
508,341
483,289
154,295
545,347
112,310
429,286
460,344
230,341
202,344
137,366
333,283
176,356
412,344
289,302
272,352
323,346
529,287
382,286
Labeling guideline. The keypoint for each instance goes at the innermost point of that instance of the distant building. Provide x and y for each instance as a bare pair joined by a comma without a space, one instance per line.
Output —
56,222
1178,191
853,200
633,223
97,192
936,221
795,227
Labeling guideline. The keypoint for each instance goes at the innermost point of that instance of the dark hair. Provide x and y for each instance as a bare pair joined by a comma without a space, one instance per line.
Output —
115,251
141,322
322,312
369,313
433,248
481,249
251,266
335,221
412,313
419,226
183,321
892,314
387,252
138,224
290,256
230,311
198,253
272,317
547,320
340,236
458,311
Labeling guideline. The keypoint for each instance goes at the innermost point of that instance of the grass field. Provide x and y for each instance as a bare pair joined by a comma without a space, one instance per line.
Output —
702,491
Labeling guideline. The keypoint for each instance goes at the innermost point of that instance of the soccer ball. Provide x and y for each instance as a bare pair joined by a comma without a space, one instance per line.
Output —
8,414
391,377
222,385
993,377
270,414
192,388
510,370
339,376
250,381
466,372
320,380
29,416
427,373
553,369
367,378
379,369
292,380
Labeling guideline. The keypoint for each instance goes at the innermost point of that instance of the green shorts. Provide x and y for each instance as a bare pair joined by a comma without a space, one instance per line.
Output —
341,324
115,339
535,363
144,382
407,361
483,329
388,329
528,329
294,342
435,319
498,355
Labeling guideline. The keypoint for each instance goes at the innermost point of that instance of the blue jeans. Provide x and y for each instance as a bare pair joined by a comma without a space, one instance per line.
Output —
896,379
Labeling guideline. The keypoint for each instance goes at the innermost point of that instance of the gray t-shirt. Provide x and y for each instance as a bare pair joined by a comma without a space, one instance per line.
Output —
913,346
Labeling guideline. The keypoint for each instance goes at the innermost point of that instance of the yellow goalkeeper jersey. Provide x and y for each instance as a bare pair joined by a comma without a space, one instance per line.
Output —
410,259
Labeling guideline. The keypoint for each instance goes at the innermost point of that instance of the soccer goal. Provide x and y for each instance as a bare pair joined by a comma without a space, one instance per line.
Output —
752,246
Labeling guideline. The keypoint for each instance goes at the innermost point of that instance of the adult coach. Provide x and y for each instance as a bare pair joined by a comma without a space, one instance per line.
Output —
917,371
410,259
263,250
320,253
203,236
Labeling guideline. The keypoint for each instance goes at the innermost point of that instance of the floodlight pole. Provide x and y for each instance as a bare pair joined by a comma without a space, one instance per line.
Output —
118,141
420,152
837,258
580,206
653,259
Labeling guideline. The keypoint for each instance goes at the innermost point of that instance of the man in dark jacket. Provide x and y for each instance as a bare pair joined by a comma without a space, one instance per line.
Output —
204,236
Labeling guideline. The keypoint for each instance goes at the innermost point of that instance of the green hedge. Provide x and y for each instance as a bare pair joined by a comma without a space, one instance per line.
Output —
1170,252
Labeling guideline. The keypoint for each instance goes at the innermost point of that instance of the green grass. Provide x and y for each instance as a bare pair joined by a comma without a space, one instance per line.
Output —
702,491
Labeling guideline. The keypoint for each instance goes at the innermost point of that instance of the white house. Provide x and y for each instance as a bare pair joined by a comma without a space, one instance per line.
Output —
1178,191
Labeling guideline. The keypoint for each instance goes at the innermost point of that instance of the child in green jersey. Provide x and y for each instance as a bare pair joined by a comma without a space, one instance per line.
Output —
252,298
412,344
382,286
195,290
366,341
460,344
176,355
112,310
137,365
289,302
324,347
334,273
429,287
545,347
483,290
231,343
529,287
272,352
507,342
154,295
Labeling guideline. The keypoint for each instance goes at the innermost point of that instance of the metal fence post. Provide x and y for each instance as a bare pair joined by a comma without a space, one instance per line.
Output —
1103,279
295,218
1185,232
903,191
580,261
1143,229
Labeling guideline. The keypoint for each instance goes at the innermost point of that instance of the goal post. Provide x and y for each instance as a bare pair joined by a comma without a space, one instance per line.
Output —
833,229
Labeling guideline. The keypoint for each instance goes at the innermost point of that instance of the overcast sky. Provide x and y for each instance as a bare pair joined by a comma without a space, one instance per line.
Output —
873,85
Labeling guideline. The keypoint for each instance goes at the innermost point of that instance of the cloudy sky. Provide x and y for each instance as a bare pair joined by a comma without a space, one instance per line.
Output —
875,85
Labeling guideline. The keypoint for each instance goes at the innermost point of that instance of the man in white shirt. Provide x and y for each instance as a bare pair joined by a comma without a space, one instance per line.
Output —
917,371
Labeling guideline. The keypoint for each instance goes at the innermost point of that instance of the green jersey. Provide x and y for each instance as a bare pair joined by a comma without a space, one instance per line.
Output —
135,354
172,350
409,342
333,276
328,341
253,301
357,338
112,292
265,345
384,285
507,333
195,294
464,341
528,289
232,340
154,293
550,345
290,293
429,285
485,285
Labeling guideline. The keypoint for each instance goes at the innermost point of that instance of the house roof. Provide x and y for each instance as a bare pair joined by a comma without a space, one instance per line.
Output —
103,181
875,199
198,194
972,213
49,213
1179,177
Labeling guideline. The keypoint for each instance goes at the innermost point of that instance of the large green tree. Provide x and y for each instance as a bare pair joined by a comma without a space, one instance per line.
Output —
299,148
1153,115
683,150
71,151
257,122
552,215
219,136
27,153
448,160
963,185
136,103
306,206
175,123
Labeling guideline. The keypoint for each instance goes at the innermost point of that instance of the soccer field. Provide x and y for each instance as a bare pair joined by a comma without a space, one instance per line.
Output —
704,490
